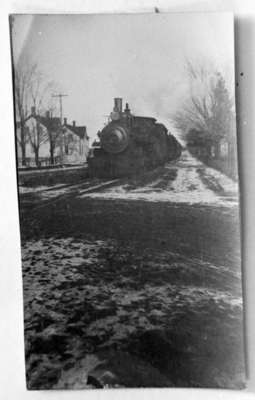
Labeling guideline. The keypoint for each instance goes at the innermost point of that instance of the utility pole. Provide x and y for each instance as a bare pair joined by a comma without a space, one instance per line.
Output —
60,96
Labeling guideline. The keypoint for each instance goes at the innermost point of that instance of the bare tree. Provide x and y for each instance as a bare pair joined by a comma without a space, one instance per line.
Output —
208,107
54,133
33,89
54,129
36,137
39,92
23,74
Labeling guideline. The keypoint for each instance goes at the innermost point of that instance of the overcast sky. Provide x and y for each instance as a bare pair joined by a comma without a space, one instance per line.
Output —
140,57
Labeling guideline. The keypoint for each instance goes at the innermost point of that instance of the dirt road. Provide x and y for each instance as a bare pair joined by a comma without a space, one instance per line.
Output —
134,282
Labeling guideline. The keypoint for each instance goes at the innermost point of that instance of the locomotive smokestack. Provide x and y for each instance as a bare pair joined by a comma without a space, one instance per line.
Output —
118,104
127,109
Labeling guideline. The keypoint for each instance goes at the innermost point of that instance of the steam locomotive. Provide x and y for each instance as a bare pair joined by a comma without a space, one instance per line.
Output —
130,144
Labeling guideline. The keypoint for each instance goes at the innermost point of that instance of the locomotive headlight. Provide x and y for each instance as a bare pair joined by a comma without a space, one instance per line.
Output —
114,139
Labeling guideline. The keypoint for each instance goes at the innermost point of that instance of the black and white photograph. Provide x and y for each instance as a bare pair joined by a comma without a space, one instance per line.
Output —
128,189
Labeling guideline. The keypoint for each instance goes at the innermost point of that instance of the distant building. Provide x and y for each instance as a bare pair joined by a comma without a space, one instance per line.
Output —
76,143
45,137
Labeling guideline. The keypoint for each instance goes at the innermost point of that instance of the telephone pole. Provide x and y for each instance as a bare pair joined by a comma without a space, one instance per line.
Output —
60,96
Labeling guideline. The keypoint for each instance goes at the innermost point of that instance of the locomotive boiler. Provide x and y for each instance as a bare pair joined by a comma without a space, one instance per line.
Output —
130,144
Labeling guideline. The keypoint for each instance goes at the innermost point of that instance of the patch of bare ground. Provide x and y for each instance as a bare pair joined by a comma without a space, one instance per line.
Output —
149,318
132,293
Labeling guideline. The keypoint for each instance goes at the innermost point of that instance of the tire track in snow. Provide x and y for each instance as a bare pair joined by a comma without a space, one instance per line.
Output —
194,183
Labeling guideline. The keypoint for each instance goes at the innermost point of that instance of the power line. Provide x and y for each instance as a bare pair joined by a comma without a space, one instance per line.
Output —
60,96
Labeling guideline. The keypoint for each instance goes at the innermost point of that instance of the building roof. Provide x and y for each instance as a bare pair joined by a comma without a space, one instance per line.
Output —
53,123
80,131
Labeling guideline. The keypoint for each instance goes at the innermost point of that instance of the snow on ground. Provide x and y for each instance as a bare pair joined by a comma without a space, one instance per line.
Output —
51,194
48,192
194,183
82,297
186,181
36,189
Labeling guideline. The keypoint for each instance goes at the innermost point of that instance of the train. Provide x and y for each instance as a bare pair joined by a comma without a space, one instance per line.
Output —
130,144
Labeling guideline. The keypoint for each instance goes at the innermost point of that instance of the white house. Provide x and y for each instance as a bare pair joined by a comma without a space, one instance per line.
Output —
76,143
47,142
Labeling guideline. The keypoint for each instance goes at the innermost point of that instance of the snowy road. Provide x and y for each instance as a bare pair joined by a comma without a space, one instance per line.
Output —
186,181
134,282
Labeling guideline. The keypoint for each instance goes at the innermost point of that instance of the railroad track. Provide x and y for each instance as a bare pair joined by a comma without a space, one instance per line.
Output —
32,202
